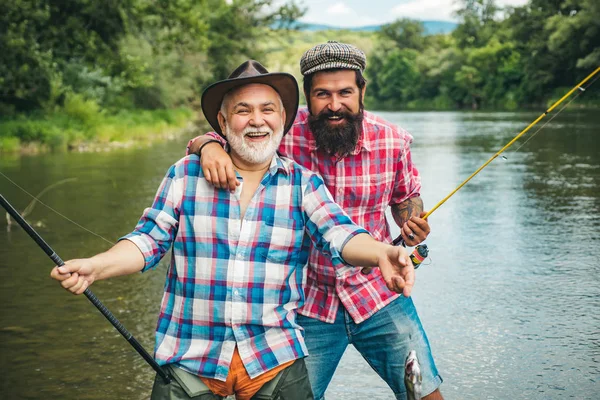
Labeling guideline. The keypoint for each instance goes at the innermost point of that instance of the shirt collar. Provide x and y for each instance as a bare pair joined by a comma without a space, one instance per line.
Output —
277,165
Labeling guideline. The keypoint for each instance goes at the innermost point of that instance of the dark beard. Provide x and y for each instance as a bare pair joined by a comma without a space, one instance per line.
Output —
336,140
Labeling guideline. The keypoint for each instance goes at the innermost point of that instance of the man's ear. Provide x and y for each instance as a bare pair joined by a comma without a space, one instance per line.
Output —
364,89
222,122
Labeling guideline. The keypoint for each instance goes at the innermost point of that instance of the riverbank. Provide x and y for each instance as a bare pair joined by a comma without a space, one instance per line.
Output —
85,128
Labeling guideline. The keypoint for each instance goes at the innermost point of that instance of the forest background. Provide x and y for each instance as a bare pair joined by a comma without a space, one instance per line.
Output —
76,72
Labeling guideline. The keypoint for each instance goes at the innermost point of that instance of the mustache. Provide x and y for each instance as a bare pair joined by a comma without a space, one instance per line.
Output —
326,114
251,129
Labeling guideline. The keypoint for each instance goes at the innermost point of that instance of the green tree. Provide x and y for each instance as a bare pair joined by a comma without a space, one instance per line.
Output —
405,33
50,48
396,78
477,22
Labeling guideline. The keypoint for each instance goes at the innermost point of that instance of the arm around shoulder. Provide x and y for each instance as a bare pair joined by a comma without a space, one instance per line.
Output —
196,145
216,163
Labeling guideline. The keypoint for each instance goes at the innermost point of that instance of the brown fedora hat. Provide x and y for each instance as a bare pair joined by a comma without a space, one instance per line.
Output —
252,72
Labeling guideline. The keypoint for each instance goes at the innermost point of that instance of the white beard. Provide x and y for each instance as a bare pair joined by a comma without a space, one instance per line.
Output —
255,153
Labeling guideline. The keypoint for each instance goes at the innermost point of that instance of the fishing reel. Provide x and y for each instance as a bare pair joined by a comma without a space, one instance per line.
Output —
418,255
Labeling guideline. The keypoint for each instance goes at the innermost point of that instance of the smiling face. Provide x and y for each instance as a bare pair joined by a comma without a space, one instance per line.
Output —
252,118
335,92
336,114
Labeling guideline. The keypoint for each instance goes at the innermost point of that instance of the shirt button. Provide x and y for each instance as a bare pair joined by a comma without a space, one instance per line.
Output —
340,190
236,292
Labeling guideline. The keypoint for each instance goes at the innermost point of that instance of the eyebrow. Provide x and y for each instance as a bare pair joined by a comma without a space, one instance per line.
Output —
241,104
318,89
244,104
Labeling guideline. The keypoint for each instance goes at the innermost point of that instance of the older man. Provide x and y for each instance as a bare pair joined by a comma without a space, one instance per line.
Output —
228,317
366,164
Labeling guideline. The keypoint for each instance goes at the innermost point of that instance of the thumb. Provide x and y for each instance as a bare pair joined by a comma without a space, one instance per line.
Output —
70,266
423,213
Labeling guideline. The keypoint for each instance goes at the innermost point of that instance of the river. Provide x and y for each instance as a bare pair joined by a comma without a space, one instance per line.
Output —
510,297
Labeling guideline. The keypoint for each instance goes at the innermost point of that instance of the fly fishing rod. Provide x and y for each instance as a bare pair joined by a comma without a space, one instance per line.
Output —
421,251
524,131
88,293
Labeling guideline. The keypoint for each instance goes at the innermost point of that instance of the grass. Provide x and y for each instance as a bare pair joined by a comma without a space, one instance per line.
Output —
84,123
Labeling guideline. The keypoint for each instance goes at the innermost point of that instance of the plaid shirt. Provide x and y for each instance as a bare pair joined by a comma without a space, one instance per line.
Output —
377,174
233,281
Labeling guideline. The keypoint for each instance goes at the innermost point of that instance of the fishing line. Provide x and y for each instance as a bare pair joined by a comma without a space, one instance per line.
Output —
52,209
531,125
581,90
580,87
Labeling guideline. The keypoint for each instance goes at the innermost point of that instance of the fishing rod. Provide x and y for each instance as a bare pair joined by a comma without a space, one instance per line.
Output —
88,293
531,125
421,251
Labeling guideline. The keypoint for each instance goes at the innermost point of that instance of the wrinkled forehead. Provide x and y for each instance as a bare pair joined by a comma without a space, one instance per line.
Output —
252,95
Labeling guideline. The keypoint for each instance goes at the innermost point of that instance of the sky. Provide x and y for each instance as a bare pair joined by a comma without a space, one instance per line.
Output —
352,13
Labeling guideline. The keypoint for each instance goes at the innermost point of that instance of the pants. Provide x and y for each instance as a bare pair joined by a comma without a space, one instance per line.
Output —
384,340
290,384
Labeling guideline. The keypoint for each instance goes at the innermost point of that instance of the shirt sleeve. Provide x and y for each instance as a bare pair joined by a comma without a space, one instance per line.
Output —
407,181
157,228
212,135
327,225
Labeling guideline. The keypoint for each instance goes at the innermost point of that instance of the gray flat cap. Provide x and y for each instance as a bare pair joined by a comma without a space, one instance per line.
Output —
332,55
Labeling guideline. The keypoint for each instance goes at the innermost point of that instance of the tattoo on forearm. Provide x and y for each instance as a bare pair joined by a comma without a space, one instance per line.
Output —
408,208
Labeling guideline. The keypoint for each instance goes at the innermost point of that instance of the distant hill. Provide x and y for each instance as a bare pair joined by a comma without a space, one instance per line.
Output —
431,27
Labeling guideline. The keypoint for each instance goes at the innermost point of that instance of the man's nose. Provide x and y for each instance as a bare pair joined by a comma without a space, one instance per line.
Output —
257,119
335,104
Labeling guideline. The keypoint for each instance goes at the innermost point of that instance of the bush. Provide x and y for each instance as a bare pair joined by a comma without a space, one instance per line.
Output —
9,144
82,121
82,110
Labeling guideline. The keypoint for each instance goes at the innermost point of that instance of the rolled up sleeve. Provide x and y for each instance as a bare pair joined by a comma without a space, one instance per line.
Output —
157,228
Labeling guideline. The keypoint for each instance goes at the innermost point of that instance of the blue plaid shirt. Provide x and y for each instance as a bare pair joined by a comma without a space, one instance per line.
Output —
233,281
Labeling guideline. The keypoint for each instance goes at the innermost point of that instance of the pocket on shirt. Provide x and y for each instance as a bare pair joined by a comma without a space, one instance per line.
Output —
380,193
280,240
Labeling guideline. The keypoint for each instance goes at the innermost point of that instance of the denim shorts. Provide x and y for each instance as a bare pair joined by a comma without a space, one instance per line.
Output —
384,340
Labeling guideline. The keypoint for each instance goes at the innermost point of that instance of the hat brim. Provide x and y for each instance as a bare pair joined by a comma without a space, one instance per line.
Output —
285,84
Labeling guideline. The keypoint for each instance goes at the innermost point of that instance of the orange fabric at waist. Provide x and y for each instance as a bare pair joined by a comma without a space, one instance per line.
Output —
238,381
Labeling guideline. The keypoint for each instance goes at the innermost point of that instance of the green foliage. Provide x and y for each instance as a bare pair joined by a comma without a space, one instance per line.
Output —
405,33
80,70
398,76
494,59
69,68
118,53
79,122
9,144
85,112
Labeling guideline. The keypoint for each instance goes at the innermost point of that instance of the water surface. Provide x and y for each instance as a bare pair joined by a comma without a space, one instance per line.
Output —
509,298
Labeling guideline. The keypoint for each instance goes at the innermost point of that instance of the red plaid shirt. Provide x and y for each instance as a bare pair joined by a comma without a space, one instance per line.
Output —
377,174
